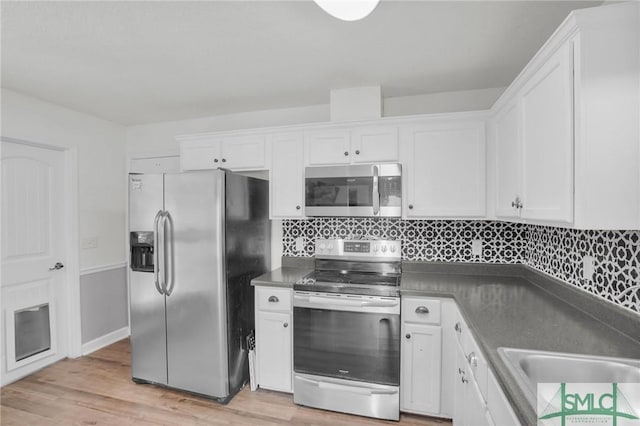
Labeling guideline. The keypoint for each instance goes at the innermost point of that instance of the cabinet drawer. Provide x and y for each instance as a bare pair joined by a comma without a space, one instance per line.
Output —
273,299
425,311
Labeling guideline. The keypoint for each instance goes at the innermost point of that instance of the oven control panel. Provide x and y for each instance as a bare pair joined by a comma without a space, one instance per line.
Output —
383,249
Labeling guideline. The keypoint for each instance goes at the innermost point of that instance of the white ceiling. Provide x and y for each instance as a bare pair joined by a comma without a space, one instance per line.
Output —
139,62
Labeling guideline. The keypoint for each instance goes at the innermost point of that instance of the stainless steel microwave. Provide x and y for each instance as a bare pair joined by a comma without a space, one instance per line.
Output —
371,190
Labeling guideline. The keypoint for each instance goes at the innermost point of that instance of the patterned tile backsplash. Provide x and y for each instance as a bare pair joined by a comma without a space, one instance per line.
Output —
555,251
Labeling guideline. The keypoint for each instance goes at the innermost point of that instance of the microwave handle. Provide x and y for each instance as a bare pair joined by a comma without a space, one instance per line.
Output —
376,192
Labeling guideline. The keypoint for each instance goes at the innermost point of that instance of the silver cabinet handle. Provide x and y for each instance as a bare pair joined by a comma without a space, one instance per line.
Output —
464,380
285,325
224,160
167,225
422,310
297,207
57,266
460,370
408,336
375,192
517,203
473,359
156,252
458,327
357,152
346,153
273,299
215,160
410,206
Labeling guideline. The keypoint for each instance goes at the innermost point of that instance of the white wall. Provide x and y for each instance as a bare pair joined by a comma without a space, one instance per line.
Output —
464,100
101,167
160,137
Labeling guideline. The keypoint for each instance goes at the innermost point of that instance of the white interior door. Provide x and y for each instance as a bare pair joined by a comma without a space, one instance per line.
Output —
33,255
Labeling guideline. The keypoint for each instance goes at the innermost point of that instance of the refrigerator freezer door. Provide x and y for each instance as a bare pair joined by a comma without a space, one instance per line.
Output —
196,309
148,323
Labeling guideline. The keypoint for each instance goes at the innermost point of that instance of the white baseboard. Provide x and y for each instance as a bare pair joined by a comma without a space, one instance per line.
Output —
105,340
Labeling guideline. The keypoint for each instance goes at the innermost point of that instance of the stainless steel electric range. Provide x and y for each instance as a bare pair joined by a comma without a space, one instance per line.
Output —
347,329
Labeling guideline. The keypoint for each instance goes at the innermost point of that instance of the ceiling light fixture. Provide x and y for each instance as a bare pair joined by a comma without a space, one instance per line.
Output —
348,10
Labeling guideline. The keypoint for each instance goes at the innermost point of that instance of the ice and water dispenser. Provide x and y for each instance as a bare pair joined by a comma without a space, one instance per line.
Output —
141,244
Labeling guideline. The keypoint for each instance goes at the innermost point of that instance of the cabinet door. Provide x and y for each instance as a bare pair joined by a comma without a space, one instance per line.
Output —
547,140
273,350
287,176
421,368
508,167
470,408
200,155
327,147
243,153
445,171
460,403
374,145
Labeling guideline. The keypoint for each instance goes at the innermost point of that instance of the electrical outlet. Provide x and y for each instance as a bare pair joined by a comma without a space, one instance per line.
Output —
89,243
588,267
476,247
300,244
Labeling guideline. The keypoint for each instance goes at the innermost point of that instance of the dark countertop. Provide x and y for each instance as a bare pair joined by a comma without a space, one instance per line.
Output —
281,277
512,306
512,311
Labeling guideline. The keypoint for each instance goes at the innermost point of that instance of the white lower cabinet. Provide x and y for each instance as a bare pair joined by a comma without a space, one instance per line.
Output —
470,407
426,387
443,371
421,368
274,339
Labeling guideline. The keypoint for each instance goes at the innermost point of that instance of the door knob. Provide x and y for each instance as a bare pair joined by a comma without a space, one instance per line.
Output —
57,266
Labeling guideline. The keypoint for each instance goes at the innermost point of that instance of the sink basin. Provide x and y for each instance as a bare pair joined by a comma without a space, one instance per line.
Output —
530,367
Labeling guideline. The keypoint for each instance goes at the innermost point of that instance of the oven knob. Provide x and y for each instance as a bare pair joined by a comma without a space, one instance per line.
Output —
330,247
322,246
375,248
392,249
383,248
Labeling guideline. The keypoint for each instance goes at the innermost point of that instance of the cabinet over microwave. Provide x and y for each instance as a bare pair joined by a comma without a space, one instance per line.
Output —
371,190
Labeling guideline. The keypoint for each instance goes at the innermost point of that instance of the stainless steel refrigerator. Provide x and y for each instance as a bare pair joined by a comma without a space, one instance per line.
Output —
196,241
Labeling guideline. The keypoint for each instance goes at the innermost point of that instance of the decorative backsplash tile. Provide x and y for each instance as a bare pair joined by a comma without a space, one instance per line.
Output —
555,251
559,253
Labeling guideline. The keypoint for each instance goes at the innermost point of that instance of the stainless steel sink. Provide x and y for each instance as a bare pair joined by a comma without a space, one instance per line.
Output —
530,367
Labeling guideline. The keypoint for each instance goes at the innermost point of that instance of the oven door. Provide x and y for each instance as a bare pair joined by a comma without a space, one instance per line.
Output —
347,337
362,190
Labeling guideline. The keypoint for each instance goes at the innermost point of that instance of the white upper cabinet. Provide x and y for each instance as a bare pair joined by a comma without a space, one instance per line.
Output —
327,147
374,144
286,184
508,162
547,140
444,169
367,144
233,152
566,131
534,145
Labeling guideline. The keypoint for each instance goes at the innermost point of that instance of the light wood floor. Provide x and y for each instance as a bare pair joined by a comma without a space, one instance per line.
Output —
97,390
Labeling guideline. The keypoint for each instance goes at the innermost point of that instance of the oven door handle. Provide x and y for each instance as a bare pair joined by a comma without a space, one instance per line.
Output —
351,389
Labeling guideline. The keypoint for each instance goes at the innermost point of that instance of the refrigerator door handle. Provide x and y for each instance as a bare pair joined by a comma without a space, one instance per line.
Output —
156,254
168,244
